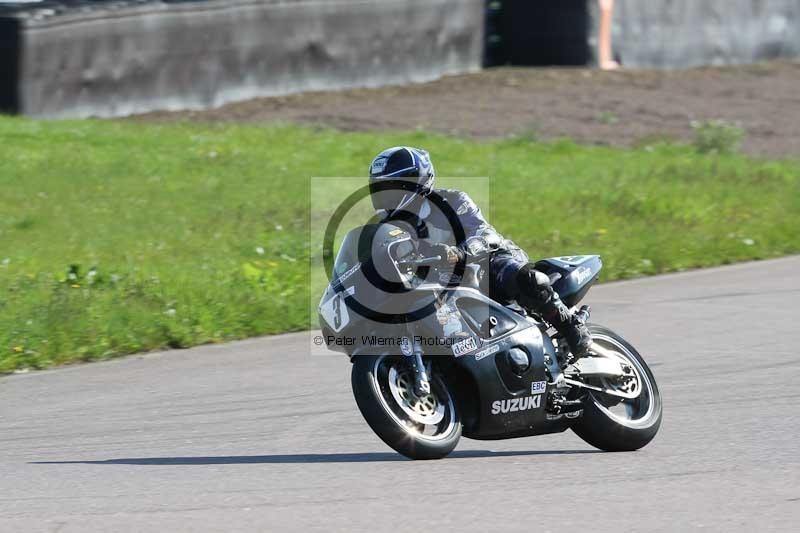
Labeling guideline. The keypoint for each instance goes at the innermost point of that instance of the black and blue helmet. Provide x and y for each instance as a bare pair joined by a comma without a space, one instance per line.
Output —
398,176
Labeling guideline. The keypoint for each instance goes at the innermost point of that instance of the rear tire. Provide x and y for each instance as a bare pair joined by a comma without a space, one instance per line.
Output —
399,424
613,433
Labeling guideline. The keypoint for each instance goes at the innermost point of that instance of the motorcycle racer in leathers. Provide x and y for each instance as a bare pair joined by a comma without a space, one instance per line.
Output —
512,277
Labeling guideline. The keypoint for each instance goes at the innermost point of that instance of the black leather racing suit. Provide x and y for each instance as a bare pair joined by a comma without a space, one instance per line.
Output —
450,217
511,275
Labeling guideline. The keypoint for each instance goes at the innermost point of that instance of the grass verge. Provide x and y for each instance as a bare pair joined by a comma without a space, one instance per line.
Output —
119,237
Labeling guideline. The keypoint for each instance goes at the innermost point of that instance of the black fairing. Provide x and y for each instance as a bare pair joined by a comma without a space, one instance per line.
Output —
571,276
496,397
485,375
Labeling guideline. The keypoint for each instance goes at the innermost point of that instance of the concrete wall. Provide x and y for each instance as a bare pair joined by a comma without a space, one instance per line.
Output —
137,58
682,33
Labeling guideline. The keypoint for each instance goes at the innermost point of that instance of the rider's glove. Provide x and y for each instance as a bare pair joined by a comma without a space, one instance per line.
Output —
449,254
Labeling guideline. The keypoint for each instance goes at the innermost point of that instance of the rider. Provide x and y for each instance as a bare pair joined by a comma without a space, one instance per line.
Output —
512,277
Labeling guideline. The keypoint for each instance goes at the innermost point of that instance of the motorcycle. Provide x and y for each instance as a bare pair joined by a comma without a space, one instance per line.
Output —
436,360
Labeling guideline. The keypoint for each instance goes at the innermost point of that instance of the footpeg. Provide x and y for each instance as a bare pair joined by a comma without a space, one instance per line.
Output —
559,406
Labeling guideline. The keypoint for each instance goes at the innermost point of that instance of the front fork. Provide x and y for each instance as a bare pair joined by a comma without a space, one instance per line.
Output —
422,383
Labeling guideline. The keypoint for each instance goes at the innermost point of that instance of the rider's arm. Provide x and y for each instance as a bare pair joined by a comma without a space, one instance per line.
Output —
480,238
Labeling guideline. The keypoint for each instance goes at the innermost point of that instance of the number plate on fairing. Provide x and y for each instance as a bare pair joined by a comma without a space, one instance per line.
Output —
334,311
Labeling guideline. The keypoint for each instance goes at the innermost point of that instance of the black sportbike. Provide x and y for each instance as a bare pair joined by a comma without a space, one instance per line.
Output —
435,360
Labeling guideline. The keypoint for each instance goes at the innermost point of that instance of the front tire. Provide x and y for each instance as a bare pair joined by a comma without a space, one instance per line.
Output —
602,424
419,428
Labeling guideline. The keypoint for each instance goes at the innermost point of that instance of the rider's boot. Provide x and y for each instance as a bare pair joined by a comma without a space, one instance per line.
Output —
568,325
537,294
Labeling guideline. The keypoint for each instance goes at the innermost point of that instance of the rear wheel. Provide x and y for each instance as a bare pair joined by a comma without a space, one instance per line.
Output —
426,427
617,424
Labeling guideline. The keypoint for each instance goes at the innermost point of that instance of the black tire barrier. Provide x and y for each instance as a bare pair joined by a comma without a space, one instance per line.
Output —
534,33
9,65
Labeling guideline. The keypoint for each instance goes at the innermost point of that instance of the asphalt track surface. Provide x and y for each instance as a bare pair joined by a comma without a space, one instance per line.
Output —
261,436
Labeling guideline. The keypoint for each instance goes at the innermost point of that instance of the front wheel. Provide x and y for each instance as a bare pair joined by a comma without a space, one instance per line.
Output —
425,427
614,424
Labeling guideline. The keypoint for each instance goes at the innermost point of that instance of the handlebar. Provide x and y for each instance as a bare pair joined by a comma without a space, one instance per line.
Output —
435,260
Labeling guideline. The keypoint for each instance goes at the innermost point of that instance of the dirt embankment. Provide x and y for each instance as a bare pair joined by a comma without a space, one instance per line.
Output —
623,107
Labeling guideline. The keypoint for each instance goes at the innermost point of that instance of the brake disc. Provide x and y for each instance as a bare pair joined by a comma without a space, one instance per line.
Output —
426,410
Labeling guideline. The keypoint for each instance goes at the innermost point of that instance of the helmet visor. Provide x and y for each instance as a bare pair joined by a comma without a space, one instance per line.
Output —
392,194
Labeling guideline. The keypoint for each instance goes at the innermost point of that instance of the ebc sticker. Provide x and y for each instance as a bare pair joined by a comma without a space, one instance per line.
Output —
538,387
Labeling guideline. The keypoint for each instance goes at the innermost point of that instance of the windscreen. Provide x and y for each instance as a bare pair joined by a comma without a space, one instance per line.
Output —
382,241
